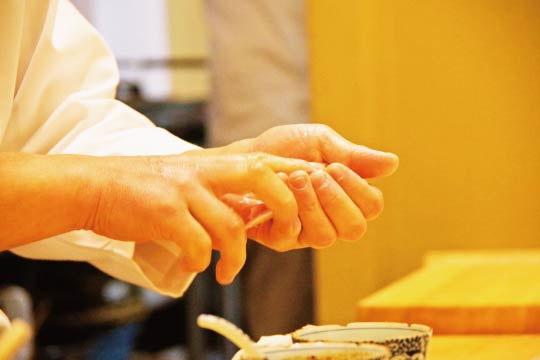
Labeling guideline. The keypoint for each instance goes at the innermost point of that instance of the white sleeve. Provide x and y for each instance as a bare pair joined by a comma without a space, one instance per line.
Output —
64,103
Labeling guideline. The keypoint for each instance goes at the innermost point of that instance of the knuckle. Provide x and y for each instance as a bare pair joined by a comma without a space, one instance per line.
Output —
288,203
166,209
163,200
310,206
321,128
256,167
185,183
234,226
257,159
330,197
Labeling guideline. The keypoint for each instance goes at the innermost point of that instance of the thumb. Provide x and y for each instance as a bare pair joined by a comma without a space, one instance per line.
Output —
369,163
366,162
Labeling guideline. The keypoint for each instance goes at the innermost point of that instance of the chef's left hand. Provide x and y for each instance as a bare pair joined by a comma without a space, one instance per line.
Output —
333,203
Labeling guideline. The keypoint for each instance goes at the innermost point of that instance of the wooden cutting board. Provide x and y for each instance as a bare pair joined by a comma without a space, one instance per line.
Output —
465,293
501,347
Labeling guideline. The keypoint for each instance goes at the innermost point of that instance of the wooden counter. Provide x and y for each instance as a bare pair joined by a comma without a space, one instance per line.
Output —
503,347
465,293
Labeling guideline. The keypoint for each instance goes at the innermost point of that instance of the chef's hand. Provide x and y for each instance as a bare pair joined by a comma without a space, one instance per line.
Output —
176,198
333,204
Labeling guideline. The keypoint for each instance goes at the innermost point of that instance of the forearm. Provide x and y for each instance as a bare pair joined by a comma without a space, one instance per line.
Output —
43,196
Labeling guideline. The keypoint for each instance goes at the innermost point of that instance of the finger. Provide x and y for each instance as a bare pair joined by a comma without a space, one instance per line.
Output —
194,241
340,209
283,177
237,173
368,198
226,229
283,165
257,173
285,226
317,230
366,162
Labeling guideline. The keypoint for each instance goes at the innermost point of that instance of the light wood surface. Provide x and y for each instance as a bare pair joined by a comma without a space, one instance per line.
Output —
492,256
484,348
465,293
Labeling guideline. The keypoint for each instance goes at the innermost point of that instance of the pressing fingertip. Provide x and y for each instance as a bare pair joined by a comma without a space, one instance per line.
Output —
225,274
336,170
221,277
298,180
319,178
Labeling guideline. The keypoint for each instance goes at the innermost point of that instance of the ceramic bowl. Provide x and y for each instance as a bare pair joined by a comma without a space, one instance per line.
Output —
320,351
404,341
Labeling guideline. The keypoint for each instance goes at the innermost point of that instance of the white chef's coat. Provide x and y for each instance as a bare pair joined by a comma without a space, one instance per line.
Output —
57,87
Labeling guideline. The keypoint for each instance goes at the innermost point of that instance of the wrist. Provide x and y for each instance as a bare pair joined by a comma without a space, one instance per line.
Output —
87,180
77,180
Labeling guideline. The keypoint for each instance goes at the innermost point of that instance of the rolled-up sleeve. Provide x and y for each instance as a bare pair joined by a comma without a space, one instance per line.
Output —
64,104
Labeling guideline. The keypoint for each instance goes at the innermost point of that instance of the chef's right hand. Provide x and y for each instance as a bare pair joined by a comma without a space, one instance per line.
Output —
176,198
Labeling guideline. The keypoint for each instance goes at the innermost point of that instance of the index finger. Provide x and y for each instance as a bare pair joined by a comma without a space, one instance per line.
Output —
242,173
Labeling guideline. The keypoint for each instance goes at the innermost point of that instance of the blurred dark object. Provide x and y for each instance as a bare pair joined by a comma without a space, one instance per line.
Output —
74,303
192,62
265,312
78,302
183,119
17,304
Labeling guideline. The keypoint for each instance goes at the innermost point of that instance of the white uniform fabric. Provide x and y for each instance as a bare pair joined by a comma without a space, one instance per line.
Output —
57,85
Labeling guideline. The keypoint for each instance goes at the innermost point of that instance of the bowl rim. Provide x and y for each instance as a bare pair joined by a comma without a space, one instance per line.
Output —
414,330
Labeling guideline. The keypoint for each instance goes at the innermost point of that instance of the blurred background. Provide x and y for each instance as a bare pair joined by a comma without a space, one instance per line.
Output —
452,87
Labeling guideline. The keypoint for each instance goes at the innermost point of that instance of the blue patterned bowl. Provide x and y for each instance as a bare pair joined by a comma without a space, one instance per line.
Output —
404,341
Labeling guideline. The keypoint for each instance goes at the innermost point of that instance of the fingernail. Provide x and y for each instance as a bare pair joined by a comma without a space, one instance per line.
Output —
298,181
319,178
335,170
